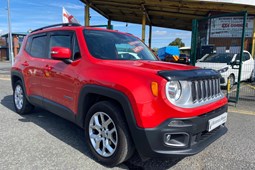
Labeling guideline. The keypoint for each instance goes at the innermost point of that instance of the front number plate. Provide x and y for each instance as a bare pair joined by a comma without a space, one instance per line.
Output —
217,121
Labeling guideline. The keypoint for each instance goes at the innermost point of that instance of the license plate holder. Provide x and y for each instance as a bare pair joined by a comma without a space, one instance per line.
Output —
217,121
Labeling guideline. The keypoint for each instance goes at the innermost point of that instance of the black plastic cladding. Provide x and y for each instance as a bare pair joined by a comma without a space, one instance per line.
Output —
196,74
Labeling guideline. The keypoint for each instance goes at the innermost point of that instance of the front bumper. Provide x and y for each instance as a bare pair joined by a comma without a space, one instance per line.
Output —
150,142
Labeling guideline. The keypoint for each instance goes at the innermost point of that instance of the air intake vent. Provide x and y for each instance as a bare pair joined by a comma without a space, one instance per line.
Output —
203,90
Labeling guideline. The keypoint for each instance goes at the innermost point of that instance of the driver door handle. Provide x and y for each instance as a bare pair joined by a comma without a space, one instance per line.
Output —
48,67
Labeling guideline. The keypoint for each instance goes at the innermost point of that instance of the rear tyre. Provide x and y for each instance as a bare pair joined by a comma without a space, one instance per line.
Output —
21,104
106,134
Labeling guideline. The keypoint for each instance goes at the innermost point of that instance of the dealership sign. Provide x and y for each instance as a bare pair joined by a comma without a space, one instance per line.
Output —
231,27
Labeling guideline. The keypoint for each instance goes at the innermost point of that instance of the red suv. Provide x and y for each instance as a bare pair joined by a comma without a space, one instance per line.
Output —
110,84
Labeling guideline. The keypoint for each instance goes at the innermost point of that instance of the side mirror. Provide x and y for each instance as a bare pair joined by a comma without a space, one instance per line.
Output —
60,53
235,64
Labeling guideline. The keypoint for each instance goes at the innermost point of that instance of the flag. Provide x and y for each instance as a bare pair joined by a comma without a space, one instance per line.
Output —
67,17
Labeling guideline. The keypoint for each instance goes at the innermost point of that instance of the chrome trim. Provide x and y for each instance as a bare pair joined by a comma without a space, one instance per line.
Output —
202,92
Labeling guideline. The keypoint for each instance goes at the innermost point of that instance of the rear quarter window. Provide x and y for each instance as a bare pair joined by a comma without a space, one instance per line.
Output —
28,44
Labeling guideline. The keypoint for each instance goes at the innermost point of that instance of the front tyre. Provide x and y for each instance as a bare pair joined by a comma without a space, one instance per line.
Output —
21,104
106,134
252,78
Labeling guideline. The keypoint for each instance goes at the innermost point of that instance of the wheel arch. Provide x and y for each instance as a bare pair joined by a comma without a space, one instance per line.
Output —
90,94
15,76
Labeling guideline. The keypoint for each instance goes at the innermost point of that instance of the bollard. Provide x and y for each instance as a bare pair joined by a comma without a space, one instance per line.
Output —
228,87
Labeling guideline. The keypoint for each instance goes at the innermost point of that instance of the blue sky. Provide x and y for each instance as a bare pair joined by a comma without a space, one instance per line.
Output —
27,15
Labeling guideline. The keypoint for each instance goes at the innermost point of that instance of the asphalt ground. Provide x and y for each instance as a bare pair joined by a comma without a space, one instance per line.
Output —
42,140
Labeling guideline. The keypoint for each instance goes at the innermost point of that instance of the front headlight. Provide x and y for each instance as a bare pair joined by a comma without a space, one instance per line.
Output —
174,90
178,92
223,70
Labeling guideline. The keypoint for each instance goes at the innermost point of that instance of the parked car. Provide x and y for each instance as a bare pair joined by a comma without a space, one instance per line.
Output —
184,59
184,55
227,64
122,103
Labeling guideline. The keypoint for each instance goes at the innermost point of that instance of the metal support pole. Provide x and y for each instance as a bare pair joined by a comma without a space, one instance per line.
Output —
150,32
10,35
253,40
109,24
241,57
194,42
87,15
143,26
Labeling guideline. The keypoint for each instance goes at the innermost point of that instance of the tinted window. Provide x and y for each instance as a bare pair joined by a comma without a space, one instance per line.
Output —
246,56
28,45
61,41
116,46
219,58
76,50
38,47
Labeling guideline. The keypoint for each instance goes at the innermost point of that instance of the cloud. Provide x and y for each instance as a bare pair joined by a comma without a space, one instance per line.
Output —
67,5
160,33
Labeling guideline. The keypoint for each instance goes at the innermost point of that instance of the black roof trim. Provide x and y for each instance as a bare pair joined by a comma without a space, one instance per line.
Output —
57,25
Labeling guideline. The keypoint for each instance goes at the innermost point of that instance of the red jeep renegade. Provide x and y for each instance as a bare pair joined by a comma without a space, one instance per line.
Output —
110,84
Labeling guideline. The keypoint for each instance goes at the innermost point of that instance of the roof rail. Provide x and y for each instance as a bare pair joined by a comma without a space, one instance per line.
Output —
56,25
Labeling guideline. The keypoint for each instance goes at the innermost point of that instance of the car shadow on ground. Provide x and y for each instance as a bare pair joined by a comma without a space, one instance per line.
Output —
73,135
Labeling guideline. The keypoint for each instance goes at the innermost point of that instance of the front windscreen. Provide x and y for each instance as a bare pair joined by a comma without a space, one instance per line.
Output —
116,46
219,58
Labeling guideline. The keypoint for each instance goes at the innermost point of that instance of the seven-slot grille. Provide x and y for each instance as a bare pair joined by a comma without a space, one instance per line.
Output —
207,89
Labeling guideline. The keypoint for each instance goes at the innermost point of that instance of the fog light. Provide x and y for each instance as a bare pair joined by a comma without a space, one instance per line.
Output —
176,140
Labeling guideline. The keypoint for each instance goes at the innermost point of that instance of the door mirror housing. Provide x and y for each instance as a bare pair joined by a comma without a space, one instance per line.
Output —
60,53
235,64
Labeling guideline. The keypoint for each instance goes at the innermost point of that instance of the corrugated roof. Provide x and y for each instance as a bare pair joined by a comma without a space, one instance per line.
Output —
176,14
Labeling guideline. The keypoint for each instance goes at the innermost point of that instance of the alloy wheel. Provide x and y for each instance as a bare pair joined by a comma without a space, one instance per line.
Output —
18,97
103,134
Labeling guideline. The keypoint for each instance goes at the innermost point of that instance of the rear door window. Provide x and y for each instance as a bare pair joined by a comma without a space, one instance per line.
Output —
38,46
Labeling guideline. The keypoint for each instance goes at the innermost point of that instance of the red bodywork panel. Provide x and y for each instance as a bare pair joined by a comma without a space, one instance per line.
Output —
61,83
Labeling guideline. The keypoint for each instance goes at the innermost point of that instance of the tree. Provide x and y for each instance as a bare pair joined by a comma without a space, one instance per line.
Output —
177,42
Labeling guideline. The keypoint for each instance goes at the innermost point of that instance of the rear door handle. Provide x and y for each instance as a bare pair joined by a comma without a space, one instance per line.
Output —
25,64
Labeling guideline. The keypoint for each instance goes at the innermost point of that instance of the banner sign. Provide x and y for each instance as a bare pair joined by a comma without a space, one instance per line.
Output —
231,27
